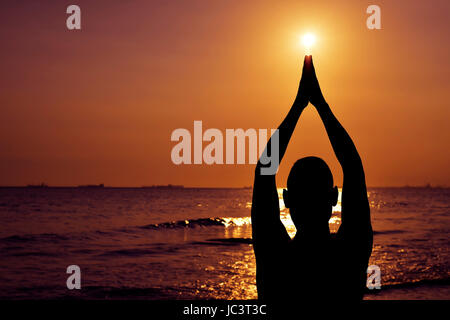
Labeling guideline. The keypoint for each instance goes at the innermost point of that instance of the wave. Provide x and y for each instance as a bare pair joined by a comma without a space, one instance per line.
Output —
105,292
163,249
224,241
33,254
388,232
412,284
94,293
202,222
186,223
193,223
133,252
34,237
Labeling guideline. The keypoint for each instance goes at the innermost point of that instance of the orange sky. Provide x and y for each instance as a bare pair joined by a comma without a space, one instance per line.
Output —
99,105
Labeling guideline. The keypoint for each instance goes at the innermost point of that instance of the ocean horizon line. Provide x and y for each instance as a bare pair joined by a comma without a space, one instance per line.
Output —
174,186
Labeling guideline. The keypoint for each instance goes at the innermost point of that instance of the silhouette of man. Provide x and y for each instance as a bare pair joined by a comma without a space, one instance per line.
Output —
315,264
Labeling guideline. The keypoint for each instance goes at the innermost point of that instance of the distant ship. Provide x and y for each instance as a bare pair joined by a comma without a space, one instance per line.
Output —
169,186
42,185
101,185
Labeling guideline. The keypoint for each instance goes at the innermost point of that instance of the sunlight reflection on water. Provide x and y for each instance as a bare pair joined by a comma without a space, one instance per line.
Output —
285,217
241,282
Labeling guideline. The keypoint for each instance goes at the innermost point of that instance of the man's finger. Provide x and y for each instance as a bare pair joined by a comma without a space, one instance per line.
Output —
307,66
312,66
305,63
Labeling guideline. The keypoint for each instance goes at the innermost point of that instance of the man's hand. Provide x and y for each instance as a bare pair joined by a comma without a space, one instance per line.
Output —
315,94
303,93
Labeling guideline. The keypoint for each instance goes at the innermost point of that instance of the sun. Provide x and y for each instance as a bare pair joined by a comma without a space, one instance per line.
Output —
308,40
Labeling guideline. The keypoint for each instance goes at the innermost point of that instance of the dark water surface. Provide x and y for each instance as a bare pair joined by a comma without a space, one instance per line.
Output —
194,243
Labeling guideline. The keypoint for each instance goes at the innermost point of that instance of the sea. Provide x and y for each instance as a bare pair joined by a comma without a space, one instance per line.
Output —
195,243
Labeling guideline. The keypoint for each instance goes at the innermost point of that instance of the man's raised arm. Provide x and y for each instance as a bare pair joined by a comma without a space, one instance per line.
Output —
356,225
266,224
268,232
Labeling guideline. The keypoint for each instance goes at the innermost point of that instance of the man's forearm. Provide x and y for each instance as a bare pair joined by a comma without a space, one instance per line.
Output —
288,125
342,144
286,129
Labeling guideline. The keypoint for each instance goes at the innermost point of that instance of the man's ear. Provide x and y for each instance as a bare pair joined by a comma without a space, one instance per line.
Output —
285,198
334,196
